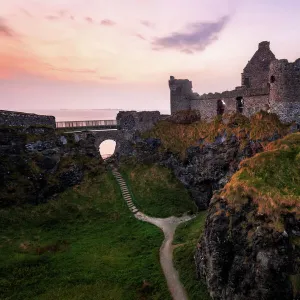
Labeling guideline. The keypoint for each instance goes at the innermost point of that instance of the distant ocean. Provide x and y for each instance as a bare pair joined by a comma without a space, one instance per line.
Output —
107,147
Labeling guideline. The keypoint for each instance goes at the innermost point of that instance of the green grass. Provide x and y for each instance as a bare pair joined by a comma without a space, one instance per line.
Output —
83,245
156,191
186,237
271,179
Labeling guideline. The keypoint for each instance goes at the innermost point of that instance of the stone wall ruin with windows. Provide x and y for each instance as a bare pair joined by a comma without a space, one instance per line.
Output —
266,84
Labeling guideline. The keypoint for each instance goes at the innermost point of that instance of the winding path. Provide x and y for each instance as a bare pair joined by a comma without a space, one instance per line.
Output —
168,226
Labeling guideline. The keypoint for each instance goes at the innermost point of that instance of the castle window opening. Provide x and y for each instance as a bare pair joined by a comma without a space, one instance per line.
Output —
220,107
239,104
247,82
272,79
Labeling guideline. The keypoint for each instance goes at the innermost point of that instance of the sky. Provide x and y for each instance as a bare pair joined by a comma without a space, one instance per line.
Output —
82,54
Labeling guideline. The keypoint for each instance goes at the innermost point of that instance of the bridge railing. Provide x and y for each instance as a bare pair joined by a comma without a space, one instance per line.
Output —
93,123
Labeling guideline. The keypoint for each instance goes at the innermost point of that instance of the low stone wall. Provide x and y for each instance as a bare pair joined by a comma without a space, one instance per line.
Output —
240,91
252,105
287,111
255,104
19,119
138,121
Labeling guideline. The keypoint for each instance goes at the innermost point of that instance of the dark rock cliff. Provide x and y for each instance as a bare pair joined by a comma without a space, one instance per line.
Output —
36,163
244,259
248,251
251,244
205,165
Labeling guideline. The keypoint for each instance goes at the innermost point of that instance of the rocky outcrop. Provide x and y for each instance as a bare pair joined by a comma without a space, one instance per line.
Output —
209,166
36,163
206,165
251,244
206,168
242,258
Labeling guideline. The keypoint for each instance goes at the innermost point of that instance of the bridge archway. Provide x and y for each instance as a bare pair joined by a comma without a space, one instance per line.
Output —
107,148
108,135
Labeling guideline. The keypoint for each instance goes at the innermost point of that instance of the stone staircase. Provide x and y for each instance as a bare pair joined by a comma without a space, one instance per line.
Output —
126,195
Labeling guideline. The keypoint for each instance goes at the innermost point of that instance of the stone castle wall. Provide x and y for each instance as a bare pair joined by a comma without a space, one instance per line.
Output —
239,91
138,121
256,72
267,84
285,90
255,104
252,105
18,119
180,94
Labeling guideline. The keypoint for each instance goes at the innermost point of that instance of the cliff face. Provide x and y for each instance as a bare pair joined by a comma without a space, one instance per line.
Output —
36,163
202,155
250,248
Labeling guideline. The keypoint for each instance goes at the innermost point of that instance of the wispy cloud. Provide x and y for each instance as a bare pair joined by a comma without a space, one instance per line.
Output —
140,36
5,30
89,20
71,70
107,22
93,72
196,37
147,23
26,13
60,15
53,18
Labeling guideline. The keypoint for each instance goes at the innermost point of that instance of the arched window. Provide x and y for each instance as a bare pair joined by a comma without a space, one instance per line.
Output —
220,107
239,104
272,79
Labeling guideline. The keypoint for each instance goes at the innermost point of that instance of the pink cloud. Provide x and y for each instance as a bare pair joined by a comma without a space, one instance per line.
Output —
89,20
107,22
5,30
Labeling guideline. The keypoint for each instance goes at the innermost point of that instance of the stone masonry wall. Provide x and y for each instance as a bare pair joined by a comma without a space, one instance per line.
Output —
180,94
256,72
285,90
287,111
18,119
138,121
208,108
255,104
285,81
239,91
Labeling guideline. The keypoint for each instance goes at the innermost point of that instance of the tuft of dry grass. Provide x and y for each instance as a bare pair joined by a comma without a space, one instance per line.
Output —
178,137
271,179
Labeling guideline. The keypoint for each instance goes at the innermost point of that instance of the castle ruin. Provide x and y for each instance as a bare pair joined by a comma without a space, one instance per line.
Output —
266,84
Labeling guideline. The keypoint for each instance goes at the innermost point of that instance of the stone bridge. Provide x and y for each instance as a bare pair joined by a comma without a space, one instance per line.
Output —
130,124
115,135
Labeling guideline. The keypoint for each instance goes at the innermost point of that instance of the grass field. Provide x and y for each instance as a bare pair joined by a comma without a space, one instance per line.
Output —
186,238
157,192
83,245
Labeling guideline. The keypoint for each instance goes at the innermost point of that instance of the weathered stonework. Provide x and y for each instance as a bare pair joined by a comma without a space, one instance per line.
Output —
18,119
266,84
138,121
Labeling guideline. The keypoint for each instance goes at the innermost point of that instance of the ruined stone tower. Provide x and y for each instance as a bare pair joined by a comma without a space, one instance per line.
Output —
266,84
284,78
256,72
180,90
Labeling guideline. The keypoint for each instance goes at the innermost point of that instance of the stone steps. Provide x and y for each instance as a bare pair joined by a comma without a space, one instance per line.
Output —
125,192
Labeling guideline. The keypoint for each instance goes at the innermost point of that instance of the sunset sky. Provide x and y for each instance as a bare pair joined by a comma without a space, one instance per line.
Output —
120,54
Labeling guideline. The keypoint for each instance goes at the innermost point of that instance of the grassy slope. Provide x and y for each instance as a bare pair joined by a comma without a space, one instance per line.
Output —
271,179
157,192
178,137
83,245
186,238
